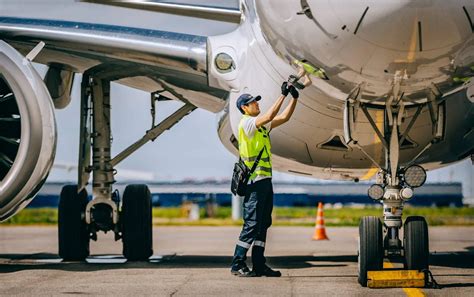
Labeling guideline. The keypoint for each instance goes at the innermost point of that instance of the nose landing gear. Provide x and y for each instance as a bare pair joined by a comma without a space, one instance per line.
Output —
395,181
373,249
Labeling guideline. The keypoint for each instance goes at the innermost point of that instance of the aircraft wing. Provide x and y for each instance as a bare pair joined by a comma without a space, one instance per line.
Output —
158,47
134,39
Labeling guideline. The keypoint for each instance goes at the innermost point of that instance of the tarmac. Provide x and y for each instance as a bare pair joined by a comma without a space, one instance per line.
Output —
194,261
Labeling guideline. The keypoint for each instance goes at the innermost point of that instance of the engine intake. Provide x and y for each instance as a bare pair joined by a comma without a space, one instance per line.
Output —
27,131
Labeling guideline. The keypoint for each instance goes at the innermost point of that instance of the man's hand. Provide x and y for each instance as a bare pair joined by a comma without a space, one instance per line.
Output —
294,92
284,89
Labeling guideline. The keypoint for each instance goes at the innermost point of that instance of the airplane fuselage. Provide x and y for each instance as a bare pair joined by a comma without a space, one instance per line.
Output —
397,52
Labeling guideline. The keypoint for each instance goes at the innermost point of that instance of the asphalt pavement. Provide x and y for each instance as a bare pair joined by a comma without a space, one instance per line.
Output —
194,261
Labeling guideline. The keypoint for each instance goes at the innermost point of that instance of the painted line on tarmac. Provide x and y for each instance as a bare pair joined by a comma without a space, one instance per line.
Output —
104,259
410,292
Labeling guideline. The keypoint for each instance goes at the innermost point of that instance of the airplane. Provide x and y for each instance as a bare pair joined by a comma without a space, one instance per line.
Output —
391,97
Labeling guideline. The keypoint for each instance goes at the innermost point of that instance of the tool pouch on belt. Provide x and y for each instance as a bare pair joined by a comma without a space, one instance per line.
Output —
241,175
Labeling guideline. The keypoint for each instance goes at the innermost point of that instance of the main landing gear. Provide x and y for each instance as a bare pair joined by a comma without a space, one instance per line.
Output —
394,183
129,216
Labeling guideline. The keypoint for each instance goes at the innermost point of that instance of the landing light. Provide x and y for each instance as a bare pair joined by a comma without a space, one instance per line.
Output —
415,176
224,62
376,192
406,193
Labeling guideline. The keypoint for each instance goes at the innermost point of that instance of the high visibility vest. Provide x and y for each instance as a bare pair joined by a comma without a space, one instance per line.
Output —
249,148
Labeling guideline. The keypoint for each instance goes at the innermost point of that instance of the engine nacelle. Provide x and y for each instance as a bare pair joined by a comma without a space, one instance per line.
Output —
27,131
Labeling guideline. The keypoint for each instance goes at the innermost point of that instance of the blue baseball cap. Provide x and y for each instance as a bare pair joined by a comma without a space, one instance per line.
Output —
246,99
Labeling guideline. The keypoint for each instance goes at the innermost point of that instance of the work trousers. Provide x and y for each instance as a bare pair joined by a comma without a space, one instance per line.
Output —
258,206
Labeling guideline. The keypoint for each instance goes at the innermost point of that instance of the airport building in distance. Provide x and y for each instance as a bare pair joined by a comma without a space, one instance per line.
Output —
172,194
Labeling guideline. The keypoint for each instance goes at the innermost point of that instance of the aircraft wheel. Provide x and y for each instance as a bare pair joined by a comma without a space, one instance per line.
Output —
73,233
137,232
370,247
416,243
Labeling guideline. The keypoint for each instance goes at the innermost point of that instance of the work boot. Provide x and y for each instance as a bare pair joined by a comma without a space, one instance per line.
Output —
244,271
266,271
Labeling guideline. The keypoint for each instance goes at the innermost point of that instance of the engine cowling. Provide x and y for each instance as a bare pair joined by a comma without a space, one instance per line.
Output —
27,131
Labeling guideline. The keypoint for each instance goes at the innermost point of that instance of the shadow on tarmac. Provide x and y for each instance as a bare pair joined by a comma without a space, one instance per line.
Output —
457,285
19,262
10,263
454,259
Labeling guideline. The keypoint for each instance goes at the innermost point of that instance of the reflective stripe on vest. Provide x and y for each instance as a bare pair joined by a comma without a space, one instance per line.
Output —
249,148
252,159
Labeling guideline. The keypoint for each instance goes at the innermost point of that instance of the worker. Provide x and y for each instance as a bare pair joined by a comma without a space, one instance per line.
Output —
254,137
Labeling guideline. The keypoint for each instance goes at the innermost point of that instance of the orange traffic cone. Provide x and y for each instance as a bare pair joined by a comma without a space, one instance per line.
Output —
319,230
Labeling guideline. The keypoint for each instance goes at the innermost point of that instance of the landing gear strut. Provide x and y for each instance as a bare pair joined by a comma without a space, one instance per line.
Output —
395,181
129,218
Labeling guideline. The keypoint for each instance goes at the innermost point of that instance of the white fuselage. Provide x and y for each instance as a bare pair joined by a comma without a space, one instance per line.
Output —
387,48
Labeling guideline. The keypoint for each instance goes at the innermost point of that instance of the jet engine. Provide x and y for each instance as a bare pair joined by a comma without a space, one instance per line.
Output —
27,131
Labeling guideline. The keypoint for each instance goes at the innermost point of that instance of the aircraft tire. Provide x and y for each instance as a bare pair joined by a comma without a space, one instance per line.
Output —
416,243
73,233
370,254
136,217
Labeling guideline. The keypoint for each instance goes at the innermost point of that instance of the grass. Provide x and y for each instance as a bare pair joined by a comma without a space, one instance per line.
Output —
282,216
34,216
347,216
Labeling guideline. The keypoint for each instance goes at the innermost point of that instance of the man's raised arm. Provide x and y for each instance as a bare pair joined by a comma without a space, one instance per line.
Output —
268,116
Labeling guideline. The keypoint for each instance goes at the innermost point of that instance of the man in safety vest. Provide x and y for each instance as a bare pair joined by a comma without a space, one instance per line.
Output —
254,137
